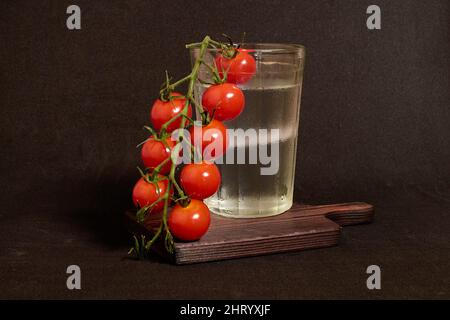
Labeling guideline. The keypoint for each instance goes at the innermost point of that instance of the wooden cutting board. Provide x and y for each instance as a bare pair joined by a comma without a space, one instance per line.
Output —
302,227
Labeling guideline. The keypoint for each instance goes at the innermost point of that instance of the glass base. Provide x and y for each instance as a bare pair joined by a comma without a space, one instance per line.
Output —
249,212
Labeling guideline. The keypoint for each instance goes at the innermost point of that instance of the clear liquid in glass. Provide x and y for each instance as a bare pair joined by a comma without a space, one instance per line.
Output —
244,192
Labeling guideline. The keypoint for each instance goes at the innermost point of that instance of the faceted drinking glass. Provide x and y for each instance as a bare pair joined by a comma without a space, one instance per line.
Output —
259,167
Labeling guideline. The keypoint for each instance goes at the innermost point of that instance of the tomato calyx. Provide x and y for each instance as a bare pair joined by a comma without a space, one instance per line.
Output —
231,50
166,91
160,136
152,177
230,53
207,117
184,201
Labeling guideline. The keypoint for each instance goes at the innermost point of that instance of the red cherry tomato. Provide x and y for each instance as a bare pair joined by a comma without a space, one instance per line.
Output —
163,111
241,68
146,193
213,139
225,101
200,180
155,152
189,223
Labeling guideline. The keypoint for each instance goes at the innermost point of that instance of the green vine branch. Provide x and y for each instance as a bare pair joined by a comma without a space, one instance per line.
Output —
141,245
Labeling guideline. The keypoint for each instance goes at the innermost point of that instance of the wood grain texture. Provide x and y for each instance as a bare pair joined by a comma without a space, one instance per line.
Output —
302,227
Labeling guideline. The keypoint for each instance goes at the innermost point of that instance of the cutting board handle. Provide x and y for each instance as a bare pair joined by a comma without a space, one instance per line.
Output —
350,213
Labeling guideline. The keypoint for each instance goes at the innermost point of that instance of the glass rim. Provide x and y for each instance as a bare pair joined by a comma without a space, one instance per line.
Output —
273,47
268,47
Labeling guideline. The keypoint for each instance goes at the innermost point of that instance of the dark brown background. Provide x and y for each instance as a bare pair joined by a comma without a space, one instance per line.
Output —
374,127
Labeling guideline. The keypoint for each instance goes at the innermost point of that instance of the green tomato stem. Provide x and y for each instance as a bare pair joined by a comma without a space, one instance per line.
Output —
189,96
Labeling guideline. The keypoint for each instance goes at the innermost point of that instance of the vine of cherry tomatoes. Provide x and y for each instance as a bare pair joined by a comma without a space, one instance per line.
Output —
158,187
